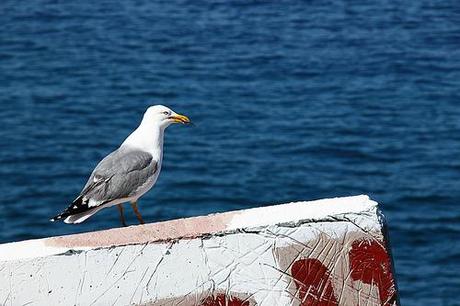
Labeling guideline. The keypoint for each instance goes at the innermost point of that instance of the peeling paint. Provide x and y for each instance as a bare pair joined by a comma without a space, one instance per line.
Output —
224,300
305,257
371,264
314,285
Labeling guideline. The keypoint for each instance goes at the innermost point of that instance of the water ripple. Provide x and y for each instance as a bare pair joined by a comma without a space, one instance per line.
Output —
292,101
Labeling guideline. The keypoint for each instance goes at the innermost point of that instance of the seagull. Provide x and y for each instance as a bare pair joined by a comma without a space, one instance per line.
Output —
128,172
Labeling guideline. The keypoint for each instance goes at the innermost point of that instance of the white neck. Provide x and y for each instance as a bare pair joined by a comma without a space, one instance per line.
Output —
147,137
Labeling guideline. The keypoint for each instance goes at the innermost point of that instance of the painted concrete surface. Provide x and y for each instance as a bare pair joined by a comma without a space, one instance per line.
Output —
326,252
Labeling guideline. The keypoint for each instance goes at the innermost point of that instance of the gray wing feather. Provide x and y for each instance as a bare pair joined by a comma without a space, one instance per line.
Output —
119,175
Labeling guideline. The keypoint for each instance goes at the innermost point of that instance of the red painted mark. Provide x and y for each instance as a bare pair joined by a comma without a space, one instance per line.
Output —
313,283
223,300
370,263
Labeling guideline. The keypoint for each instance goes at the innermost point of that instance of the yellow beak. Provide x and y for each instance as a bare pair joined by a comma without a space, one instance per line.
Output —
180,119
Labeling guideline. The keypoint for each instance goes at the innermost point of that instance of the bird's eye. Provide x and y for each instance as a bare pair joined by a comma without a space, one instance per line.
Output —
166,112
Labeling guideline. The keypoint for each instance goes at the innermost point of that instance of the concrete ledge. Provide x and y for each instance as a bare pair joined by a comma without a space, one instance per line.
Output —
326,252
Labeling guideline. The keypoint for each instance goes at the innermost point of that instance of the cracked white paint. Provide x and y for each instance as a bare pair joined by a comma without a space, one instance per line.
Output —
315,210
249,256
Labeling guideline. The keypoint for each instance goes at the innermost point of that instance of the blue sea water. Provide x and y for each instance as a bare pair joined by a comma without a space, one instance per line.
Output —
292,100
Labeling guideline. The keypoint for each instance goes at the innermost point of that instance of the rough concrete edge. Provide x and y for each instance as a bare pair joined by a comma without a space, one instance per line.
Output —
387,244
42,247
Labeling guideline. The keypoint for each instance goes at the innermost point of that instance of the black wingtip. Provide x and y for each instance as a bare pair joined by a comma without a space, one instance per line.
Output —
74,208
60,216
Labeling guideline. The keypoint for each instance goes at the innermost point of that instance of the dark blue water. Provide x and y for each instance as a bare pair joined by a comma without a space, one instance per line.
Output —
292,101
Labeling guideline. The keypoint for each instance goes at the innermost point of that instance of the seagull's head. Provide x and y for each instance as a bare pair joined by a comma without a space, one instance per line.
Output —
164,116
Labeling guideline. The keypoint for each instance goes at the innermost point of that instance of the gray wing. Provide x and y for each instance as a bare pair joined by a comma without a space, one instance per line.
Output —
119,175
